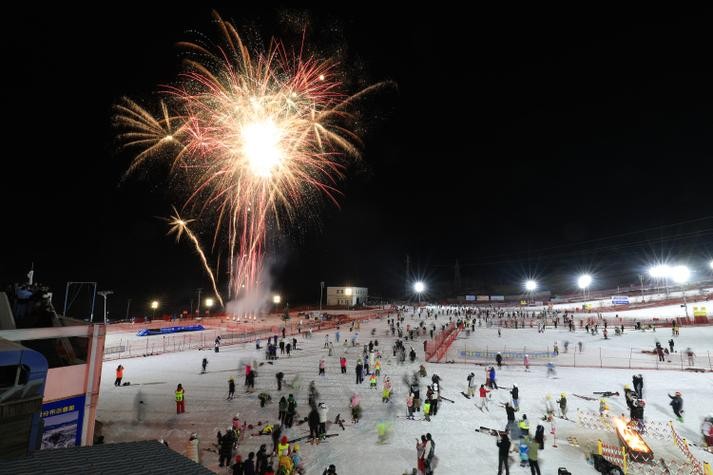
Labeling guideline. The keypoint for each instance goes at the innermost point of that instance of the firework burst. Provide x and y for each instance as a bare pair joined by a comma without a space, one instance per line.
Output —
255,135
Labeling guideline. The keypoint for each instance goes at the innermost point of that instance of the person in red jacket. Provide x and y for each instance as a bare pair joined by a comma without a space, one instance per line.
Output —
483,398
343,364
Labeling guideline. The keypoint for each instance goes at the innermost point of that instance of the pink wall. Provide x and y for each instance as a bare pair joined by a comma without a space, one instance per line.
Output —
65,382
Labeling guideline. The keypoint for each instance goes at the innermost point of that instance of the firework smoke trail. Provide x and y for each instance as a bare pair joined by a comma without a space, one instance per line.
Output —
179,226
255,136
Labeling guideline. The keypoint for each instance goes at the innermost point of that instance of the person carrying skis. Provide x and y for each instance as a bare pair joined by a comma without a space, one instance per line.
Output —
483,398
562,401
677,405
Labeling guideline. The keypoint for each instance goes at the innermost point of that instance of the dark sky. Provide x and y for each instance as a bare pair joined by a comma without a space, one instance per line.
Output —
522,142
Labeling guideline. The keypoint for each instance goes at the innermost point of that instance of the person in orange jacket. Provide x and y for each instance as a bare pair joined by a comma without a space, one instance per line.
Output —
119,375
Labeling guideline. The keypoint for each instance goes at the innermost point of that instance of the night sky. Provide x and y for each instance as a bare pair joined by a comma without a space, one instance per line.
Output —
521,142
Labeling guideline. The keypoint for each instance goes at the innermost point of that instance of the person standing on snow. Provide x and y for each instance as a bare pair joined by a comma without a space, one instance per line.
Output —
204,364
321,367
291,410
322,409
409,406
493,383
231,388
638,381
180,401
359,372
499,360
282,409
483,398
562,401
503,444
526,362
343,364
515,393
119,375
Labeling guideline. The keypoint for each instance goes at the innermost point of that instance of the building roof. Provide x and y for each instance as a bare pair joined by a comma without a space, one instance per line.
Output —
148,457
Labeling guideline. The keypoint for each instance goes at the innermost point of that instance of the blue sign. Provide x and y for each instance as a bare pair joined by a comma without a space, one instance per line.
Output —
63,423
620,300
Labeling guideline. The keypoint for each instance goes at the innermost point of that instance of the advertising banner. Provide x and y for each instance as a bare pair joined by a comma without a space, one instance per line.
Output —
470,298
620,300
63,423
483,298
497,298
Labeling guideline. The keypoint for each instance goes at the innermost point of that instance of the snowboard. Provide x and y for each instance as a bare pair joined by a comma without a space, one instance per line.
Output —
126,384
489,431
446,399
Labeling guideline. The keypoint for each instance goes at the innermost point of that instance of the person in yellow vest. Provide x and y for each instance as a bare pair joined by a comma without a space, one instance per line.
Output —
427,409
372,381
283,447
180,402
524,427
285,464
377,366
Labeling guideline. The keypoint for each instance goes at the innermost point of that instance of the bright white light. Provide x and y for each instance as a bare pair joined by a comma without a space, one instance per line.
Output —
680,274
661,271
530,285
154,304
276,299
419,287
711,264
348,291
261,146
584,281
209,302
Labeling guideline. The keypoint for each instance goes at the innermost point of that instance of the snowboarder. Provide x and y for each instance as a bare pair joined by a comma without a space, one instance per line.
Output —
180,401
119,375
677,405
231,388
204,364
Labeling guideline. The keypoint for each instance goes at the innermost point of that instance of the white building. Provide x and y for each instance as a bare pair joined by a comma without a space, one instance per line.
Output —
346,296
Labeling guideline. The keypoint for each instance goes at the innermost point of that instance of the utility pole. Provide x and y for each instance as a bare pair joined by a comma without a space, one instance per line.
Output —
641,279
128,304
105,294
198,307
456,277
321,288
407,283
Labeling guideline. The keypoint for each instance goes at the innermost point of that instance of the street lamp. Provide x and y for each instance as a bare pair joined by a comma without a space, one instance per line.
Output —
209,302
680,275
711,264
661,272
584,282
105,294
276,299
530,286
154,306
419,287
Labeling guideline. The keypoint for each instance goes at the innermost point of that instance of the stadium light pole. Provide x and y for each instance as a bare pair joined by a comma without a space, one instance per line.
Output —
154,306
105,294
584,282
711,264
530,286
209,302
680,275
321,289
419,287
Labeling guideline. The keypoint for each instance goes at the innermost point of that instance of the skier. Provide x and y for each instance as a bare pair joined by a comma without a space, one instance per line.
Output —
204,364
217,344
313,422
493,383
499,360
180,402
677,405
119,375
321,367
551,369
515,393
231,388
356,408
427,409
562,401
503,444
322,419
483,398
